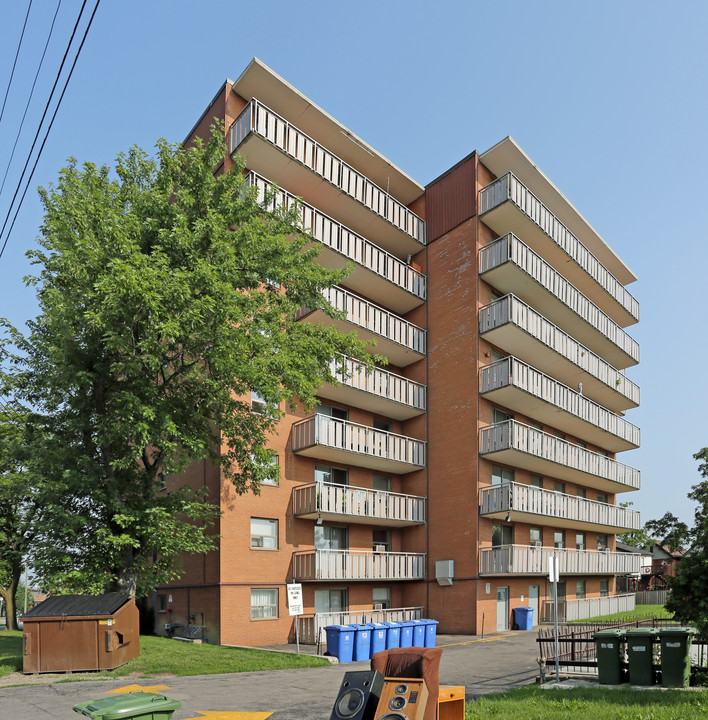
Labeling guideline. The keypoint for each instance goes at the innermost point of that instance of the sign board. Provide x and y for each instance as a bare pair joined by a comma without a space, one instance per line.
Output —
295,598
553,568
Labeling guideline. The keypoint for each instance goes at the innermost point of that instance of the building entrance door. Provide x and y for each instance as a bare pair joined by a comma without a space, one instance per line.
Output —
533,603
502,608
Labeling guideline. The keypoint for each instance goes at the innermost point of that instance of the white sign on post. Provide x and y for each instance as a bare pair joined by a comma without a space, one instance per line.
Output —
553,568
295,598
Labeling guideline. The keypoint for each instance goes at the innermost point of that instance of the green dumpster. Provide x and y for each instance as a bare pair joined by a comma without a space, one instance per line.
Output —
640,652
676,656
608,644
130,706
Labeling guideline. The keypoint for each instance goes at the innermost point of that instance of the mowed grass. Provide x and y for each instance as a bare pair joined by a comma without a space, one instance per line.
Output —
640,612
161,656
534,703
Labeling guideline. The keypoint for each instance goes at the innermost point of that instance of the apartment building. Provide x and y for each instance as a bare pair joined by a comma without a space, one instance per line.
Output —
439,485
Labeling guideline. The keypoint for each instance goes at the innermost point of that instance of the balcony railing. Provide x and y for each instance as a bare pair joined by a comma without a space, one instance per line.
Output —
331,500
535,444
509,249
379,383
511,310
569,610
342,240
374,319
509,188
358,444
312,626
257,118
555,396
526,560
525,500
357,565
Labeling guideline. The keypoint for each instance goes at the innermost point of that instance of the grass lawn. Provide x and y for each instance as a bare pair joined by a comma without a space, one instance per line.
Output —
160,656
640,612
533,703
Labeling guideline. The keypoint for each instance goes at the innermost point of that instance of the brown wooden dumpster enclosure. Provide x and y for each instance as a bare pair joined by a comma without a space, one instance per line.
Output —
68,633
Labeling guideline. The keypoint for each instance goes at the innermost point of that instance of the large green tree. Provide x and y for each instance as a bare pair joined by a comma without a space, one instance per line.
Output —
689,589
167,294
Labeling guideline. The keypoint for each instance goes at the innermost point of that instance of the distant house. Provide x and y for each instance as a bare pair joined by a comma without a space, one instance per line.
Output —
635,581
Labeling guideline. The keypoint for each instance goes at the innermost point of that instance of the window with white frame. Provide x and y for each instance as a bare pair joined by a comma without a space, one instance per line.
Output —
264,534
501,476
381,598
580,541
273,461
264,603
559,539
258,403
604,588
580,589
602,542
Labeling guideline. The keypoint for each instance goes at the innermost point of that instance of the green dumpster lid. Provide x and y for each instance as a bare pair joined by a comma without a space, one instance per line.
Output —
678,631
127,705
642,631
611,632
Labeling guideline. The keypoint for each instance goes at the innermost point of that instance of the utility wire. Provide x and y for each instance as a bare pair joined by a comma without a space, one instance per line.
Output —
29,99
29,179
14,64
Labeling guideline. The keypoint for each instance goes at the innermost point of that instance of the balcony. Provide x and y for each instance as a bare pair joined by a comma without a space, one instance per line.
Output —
400,341
275,148
313,565
518,445
376,273
518,329
344,503
511,266
522,388
506,205
379,391
525,503
526,560
348,443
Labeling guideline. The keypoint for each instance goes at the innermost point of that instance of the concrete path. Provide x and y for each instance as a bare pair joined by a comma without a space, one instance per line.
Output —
496,663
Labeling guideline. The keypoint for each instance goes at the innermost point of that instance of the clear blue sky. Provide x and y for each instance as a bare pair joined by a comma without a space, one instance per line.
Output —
608,98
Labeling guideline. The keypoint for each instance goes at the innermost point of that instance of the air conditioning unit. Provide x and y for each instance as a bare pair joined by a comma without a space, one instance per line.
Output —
538,544
379,548
605,550
444,571
378,606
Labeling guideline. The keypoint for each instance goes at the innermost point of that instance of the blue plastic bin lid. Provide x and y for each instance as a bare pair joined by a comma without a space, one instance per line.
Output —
339,627
379,625
363,626
408,623
432,622
393,623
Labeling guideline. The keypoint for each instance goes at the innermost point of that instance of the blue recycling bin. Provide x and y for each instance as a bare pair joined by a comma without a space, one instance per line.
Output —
340,642
431,631
418,633
378,637
523,618
362,642
407,633
393,634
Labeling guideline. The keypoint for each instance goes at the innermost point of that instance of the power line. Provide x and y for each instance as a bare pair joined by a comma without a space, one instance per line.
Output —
29,179
29,99
14,64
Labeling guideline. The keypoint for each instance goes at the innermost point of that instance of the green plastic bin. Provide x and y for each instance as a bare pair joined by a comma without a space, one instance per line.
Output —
676,656
130,706
608,644
640,652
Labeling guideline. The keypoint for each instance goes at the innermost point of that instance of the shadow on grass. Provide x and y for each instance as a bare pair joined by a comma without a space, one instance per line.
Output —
10,652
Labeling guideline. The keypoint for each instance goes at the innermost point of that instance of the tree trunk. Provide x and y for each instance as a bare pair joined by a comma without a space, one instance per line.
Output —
9,593
128,582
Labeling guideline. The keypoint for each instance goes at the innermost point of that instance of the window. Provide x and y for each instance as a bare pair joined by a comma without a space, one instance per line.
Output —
581,493
264,603
331,537
264,534
381,538
580,541
501,476
381,482
382,597
601,498
326,474
580,589
333,601
558,487
499,416
559,539
536,481
502,535
535,537
258,403
604,588
382,425
602,542
497,356
161,482
331,411
273,461
161,603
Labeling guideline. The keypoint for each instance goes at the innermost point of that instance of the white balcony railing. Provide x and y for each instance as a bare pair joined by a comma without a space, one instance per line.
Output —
509,249
357,565
362,503
351,437
257,118
312,626
512,372
513,435
526,560
582,609
343,240
375,319
509,188
529,500
510,309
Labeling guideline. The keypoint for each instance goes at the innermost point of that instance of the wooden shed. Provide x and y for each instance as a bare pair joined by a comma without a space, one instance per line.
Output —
70,633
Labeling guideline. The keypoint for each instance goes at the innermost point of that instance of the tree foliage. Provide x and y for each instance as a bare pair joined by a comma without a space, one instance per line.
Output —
689,589
167,294
636,538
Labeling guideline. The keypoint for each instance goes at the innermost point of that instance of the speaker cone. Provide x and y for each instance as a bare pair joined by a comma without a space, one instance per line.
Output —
398,702
401,689
350,703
